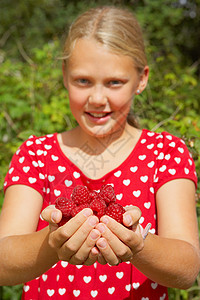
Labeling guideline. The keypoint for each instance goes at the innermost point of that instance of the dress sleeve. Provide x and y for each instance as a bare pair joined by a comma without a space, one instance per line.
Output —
25,168
174,161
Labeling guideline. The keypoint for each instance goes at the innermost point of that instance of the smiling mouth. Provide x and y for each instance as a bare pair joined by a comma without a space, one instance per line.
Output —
98,115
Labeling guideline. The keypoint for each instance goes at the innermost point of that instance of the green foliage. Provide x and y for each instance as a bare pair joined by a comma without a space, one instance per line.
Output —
33,99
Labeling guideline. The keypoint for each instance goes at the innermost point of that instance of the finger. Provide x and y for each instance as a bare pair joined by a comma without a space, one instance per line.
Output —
93,257
51,214
76,240
101,259
131,238
63,233
107,253
120,249
132,216
84,255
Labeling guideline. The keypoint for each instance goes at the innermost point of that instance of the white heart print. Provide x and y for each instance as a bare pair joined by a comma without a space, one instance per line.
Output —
26,288
94,293
57,193
64,264
119,196
40,152
120,275
126,182
76,175
134,169
136,285
128,287
50,292
118,174
87,279
76,293
172,171
61,169
102,278
68,183
54,158
29,143
44,277
71,278
111,290
26,169
154,285
32,180
62,291
177,160
51,178
137,193
144,178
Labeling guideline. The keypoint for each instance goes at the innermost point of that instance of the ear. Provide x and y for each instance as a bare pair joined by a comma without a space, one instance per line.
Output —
143,80
64,71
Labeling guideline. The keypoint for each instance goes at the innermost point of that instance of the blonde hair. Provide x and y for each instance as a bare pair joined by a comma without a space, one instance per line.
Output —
113,27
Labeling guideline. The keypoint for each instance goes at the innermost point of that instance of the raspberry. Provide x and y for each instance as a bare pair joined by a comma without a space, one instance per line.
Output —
63,221
115,211
80,195
80,207
98,206
93,195
107,194
65,205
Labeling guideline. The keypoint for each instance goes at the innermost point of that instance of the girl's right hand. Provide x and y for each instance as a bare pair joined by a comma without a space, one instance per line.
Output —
75,241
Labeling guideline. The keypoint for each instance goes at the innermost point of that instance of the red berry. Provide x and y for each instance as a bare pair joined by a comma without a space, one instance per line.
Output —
93,195
115,211
107,193
63,221
80,195
65,205
99,207
80,207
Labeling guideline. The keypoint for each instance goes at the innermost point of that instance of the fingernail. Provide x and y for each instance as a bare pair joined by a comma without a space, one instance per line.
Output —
105,220
128,220
94,235
92,221
101,228
87,212
102,244
54,216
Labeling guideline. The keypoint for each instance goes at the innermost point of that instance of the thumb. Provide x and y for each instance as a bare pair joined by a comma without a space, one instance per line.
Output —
52,215
132,216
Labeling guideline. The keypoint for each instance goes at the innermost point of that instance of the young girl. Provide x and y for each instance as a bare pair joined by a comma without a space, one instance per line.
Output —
153,175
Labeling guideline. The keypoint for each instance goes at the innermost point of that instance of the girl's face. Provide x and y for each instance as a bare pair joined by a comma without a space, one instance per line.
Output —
101,86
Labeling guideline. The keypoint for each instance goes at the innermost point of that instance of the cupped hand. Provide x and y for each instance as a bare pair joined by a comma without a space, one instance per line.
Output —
75,241
118,242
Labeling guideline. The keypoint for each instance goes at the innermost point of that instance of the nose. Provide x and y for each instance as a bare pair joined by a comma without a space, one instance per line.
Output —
97,96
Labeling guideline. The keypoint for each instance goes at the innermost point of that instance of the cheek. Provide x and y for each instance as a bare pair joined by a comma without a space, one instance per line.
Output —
76,99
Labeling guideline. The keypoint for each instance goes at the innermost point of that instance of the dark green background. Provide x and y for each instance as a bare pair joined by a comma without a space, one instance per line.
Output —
33,99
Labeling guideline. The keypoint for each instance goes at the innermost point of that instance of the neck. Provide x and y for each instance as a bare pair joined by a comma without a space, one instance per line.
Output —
95,146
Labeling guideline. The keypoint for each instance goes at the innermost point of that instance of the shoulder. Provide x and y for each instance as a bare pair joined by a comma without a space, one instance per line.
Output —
37,145
165,142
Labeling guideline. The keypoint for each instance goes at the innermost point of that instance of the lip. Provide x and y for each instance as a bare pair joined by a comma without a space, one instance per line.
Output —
103,118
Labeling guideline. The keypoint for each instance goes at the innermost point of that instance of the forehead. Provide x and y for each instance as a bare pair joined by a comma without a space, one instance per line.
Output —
89,52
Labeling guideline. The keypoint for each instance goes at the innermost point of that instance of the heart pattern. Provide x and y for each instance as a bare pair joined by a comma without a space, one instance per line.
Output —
40,164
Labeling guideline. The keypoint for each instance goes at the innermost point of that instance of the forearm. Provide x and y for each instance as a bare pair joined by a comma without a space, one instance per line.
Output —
169,262
25,257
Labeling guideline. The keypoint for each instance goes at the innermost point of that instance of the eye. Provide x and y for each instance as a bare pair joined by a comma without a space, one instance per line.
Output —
115,83
82,81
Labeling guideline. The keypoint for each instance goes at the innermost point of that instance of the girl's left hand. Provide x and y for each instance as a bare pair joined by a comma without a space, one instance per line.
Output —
119,243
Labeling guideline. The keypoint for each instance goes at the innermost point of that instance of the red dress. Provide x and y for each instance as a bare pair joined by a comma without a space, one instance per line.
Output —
155,160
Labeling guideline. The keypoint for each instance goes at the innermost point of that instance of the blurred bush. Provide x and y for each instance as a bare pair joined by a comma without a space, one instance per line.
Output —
34,101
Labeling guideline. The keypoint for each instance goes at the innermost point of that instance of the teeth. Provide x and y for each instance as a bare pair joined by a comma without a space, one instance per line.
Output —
98,115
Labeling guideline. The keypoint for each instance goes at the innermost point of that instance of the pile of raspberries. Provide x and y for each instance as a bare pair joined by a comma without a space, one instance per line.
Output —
102,203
